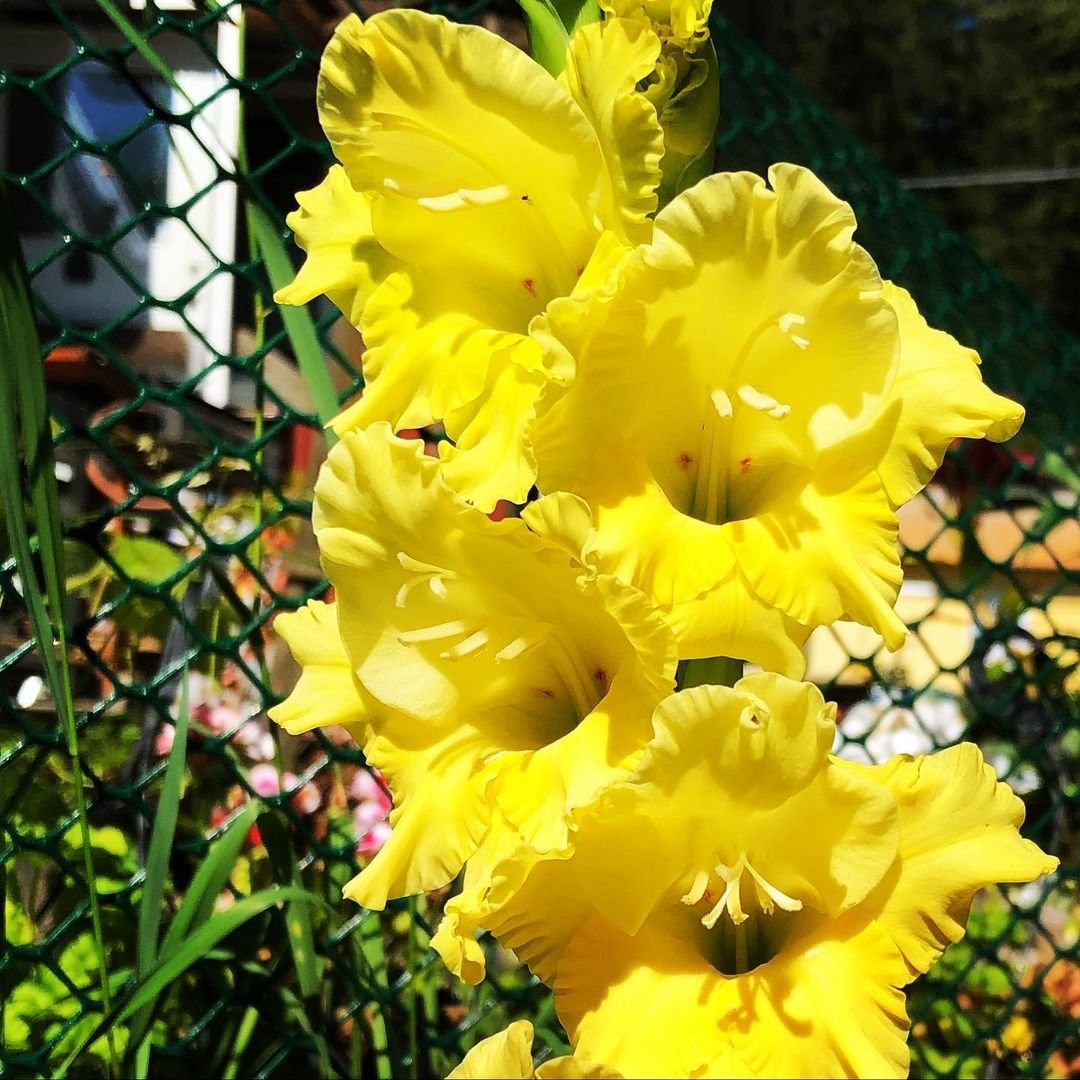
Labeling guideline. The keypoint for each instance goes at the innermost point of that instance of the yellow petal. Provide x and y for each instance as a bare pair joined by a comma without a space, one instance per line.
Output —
604,63
822,555
473,157
689,475
489,458
650,1005
410,339
684,20
344,260
326,692
731,619
426,109
497,671
958,834
944,398
686,93
729,775
439,816
506,1055
510,891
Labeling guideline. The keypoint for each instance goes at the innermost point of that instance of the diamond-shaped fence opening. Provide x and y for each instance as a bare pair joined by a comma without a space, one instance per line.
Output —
186,450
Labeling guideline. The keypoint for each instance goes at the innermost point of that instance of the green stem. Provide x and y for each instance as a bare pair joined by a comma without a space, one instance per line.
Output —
369,936
714,671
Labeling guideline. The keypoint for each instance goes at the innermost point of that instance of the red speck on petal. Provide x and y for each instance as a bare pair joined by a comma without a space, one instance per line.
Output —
602,679
530,286
685,460
543,691
744,465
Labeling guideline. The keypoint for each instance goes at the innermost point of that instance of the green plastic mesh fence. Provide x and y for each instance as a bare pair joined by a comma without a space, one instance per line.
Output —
186,449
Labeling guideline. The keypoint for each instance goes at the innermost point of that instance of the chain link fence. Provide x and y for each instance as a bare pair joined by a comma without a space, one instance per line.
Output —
186,448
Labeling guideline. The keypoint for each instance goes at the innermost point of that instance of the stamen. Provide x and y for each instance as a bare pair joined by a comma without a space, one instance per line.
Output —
456,200
521,646
473,644
802,342
721,403
790,319
391,184
698,889
433,633
753,397
731,900
433,575
869,294
770,897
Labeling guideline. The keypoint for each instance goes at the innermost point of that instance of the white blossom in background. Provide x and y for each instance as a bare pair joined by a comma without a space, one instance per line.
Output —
935,720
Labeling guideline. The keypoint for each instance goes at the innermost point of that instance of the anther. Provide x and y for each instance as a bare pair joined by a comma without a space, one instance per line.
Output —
721,403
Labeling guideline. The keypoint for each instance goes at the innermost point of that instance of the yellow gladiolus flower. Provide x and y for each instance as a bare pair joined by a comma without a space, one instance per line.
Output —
759,403
684,86
508,1056
745,904
474,193
500,681
682,22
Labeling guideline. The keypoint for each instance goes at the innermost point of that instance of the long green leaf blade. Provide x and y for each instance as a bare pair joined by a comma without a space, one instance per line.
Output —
161,841
167,969
297,916
142,46
206,885
298,323
24,412
156,876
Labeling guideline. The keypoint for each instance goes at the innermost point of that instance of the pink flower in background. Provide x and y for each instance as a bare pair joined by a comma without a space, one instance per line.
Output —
372,841
266,780
369,815
163,741
308,799
256,742
220,718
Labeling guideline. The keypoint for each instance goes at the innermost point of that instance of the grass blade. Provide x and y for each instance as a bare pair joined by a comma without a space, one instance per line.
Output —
297,917
156,875
25,435
298,323
169,967
161,841
142,46
206,885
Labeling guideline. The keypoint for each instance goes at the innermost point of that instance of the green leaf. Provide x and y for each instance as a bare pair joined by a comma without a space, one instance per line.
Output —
27,464
548,36
142,46
170,966
275,835
145,559
161,840
577,13
206,886
157,873
167,968
1055,466
298,323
